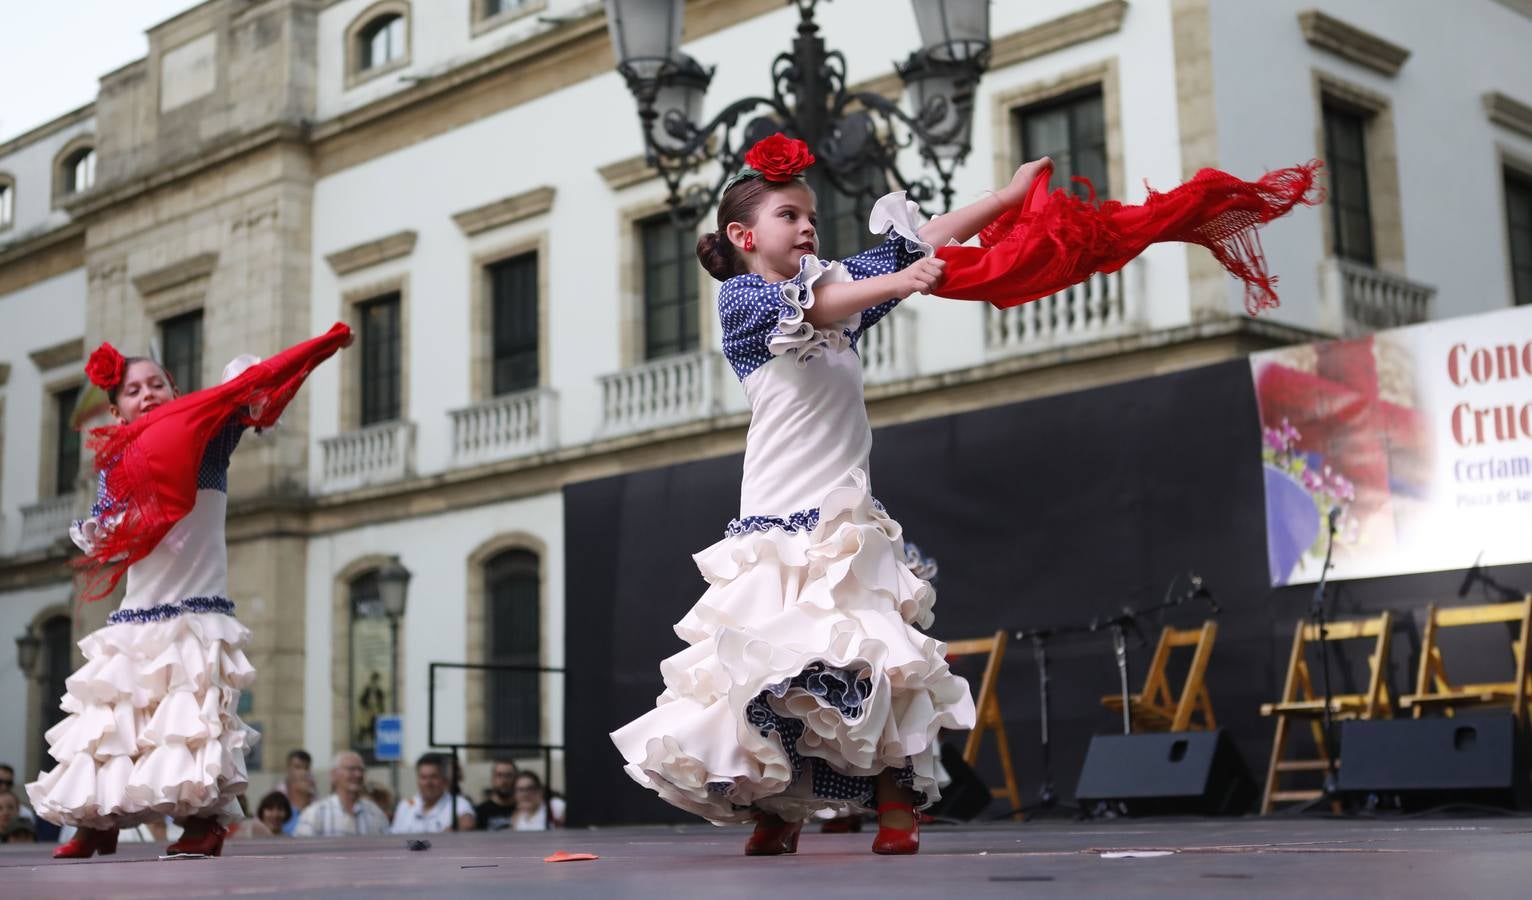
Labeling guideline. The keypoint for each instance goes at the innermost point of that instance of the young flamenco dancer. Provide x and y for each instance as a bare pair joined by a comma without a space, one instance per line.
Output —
806,684
152,730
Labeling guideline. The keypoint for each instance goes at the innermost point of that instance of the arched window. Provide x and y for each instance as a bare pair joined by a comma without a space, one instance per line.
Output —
81,175
74,168
7,201
513,636
382,42
372,662
54,669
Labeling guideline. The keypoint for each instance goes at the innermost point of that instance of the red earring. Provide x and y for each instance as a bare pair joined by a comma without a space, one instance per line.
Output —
749,241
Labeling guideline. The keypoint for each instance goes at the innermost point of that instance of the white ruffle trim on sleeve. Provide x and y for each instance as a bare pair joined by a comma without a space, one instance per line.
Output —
794,333
897,213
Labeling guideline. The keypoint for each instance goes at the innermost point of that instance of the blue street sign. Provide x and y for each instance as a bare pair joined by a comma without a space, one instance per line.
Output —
388,738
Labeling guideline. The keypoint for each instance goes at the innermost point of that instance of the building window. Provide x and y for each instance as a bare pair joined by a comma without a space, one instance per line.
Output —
1346,160
513,324
66,458
7,201
380,340
56,668
380,42
513,589
181,346
80,171
671,322
1072,131
488,9
1518,207
372,663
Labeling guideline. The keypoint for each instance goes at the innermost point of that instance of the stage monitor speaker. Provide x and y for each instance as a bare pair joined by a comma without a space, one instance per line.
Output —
966,795
1465,759
1167,773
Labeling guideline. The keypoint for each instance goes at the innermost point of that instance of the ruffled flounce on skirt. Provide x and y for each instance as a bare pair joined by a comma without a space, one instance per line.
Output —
152,728
814,629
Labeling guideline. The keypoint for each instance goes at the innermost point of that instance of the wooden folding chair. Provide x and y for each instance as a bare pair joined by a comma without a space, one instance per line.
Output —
1155,708
988,708
1299,701
1433,690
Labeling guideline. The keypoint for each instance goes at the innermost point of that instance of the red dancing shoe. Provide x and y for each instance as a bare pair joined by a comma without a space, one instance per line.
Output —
202,837
88,842
773,840
897,841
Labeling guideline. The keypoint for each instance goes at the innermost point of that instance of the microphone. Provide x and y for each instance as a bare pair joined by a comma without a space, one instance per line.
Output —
1335,512
1201,590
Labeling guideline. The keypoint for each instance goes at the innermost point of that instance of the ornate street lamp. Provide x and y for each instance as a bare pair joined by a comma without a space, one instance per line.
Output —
27,648
850,133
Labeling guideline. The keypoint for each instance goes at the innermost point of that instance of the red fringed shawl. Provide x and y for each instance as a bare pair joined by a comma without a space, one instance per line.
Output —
151,463
1053,241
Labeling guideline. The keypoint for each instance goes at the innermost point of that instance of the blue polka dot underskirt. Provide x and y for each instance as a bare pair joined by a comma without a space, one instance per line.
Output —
841,689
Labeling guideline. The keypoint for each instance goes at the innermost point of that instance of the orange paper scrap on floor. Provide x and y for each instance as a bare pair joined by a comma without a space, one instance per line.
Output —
561,856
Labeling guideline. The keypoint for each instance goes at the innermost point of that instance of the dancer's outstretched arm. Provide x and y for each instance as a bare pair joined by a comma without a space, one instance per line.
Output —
834,302
967,221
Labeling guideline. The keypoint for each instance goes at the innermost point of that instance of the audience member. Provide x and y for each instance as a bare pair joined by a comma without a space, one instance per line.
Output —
346,811
536,809
300,794
299,763
497,810
274,811
432,809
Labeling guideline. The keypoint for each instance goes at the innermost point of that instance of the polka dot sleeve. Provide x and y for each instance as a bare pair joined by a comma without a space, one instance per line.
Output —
761,320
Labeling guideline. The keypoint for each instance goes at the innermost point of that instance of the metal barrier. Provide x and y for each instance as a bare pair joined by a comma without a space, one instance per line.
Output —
546,750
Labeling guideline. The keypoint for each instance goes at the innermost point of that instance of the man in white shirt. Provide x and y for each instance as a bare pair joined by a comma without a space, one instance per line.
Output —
431,809
347,811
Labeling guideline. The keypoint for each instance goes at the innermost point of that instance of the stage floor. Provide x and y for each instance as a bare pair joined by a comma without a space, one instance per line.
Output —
1286,857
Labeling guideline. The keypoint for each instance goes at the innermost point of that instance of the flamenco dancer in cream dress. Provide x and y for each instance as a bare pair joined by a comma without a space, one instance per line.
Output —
152,730
807,683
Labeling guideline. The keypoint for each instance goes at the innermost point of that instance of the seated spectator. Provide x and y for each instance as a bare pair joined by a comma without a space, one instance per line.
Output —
10,818
299,763
274,811
300,794
432,809
536,809
8,785
495,813
347,811
20,831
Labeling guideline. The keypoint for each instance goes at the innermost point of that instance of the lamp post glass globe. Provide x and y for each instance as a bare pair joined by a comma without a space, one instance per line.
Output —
393,585
27,648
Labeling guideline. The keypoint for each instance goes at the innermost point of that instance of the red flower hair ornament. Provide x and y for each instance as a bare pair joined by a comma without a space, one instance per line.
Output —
105,367
776,158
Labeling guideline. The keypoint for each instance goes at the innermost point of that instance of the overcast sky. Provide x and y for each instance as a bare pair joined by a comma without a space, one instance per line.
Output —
53,51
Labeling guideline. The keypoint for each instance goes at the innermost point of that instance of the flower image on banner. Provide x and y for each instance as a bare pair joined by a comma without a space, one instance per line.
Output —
1419,440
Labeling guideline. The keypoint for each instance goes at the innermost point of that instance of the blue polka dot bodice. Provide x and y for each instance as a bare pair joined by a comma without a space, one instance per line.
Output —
750,308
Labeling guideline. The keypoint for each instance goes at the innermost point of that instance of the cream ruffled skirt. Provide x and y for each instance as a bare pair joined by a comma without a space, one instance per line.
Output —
152,729
804,676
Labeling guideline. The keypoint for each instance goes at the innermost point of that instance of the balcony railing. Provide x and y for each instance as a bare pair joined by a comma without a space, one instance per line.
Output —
46,521
505,427
668,391
377,454
888,348
1102,306
1370,300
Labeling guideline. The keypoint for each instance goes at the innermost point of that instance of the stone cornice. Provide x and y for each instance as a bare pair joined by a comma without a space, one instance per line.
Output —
104,196
625,173
351,259
62,354
1055,34
1347,41
176,274
506,210
1508,112
23,247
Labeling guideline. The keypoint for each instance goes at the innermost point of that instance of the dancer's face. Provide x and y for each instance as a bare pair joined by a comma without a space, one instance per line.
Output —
785,230
144,387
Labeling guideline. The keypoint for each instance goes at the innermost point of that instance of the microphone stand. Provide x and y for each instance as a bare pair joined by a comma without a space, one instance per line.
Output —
1317,618
1047,797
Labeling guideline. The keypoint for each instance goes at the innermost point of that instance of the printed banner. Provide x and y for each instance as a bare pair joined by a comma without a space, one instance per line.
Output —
1415,442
